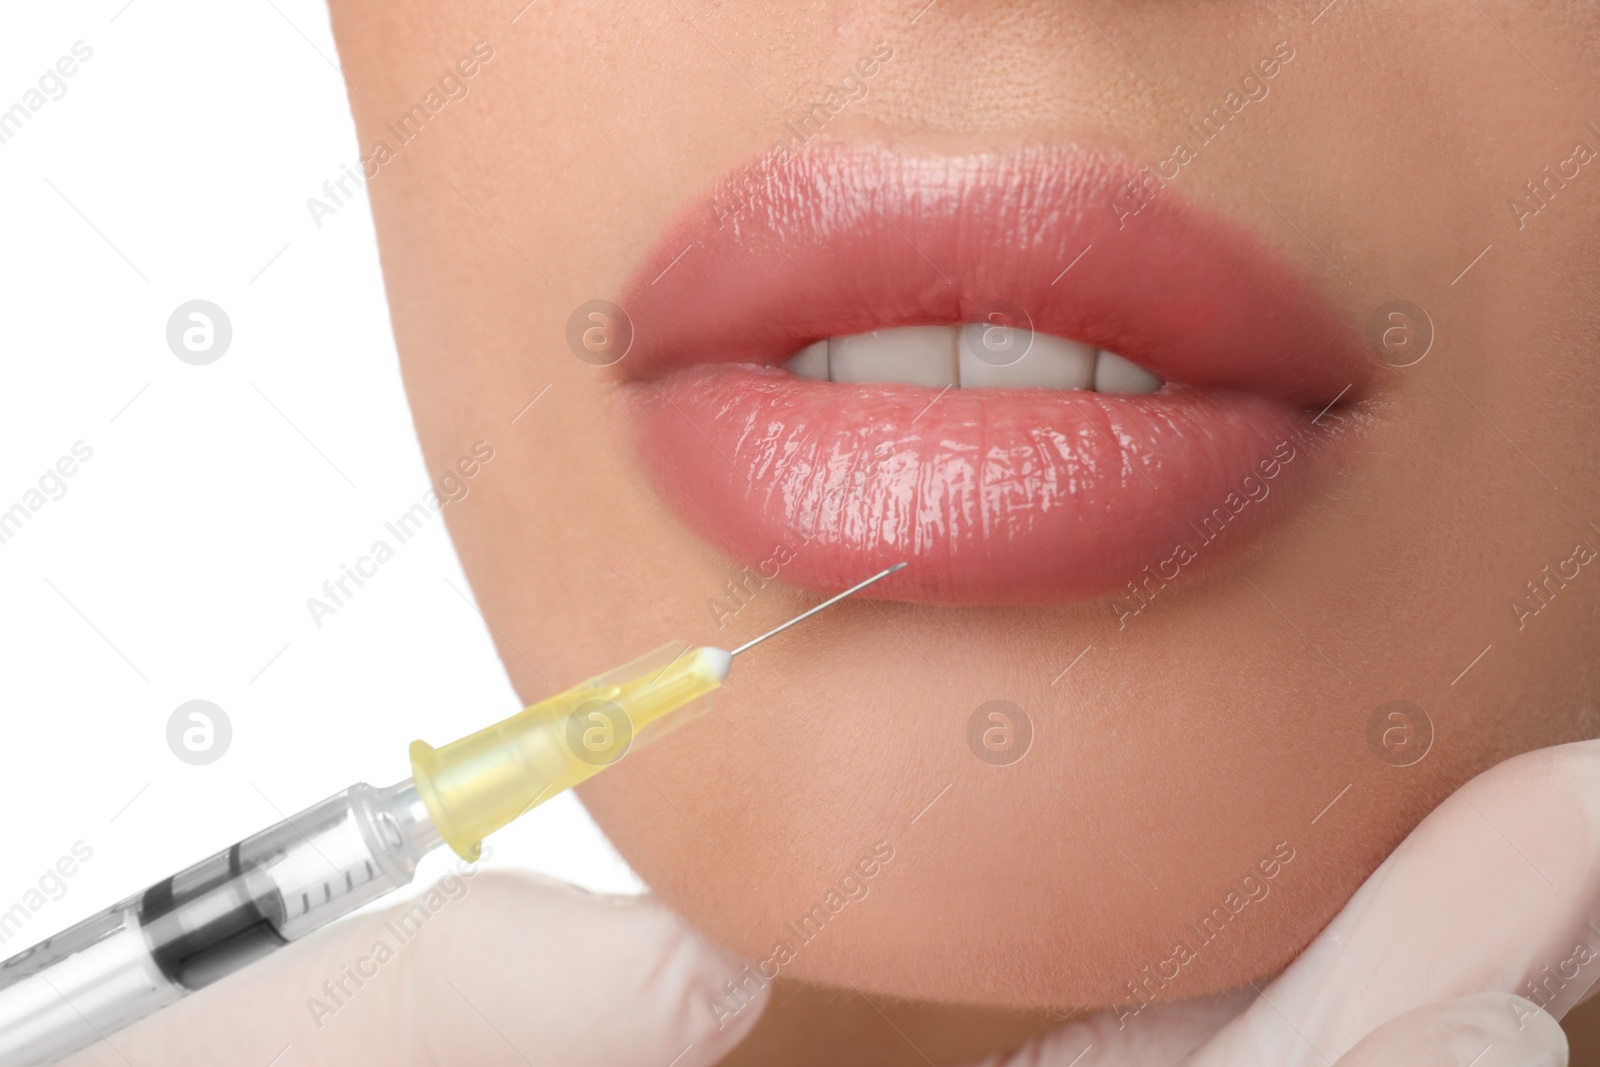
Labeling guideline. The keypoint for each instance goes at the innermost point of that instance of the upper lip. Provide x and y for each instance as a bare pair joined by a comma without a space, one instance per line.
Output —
996,496
1183,292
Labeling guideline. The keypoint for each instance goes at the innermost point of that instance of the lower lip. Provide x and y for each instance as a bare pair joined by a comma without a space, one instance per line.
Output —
994,496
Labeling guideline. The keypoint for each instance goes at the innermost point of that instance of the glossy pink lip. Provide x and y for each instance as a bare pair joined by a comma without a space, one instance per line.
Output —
995,496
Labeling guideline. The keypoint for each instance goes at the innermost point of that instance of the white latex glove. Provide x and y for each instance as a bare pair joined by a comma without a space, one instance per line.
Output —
1423,967
520,970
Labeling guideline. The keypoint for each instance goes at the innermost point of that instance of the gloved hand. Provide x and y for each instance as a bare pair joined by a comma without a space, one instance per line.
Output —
518,969
1423,967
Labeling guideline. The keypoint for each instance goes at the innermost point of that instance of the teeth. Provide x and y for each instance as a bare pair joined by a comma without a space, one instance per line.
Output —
1113,374
972,356
916,355
810,362
1041,361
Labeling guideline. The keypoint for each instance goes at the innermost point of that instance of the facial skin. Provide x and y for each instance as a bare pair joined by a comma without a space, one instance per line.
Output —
1230,718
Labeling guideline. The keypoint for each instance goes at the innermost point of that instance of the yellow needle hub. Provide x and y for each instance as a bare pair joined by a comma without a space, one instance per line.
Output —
474,786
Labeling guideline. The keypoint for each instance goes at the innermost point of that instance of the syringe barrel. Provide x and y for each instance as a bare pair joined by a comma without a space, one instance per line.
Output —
206,922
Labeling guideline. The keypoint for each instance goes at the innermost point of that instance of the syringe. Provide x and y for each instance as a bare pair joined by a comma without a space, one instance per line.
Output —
226,912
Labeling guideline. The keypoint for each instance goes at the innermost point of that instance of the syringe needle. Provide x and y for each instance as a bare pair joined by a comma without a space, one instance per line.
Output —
825,604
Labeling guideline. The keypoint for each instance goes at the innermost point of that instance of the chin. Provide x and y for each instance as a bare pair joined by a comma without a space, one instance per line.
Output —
847,836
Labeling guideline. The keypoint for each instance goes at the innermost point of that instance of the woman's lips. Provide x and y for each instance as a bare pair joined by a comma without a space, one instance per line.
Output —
996,496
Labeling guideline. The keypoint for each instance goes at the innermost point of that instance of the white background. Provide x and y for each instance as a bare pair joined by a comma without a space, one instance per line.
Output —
219,498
